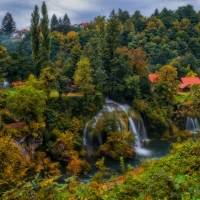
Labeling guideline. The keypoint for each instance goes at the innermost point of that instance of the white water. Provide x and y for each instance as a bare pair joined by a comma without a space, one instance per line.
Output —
192,124
136,127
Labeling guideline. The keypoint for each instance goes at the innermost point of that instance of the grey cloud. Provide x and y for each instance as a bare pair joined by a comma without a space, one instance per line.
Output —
85,10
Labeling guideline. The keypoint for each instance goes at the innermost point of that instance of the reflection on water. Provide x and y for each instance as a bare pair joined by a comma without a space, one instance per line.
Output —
154,149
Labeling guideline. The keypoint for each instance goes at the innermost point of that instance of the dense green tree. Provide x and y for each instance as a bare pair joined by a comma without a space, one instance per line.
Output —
4,63
128,28
92,51
60,81
40,38
11,45
139,21
47,80
112,39
65,24
167,17
123,15
72,60
122,68
19,67
60,24
35,37
74,53
187,12
27,103
55,46
45,34
54,25
8,24
156,13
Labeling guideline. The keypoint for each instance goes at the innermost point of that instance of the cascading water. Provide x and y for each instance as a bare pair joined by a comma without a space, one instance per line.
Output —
191,124
92,138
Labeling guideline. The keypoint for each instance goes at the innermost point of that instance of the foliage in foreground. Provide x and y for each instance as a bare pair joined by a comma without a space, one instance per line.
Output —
176,176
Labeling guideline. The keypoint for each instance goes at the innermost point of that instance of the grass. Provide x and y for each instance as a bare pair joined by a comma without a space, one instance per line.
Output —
9,90
54,94
183,97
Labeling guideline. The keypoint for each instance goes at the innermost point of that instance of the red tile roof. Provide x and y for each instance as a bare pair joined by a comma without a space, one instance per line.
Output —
153,77
17,83
189,81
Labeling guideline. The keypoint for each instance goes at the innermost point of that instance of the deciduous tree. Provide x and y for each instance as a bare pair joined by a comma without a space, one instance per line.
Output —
13,165
82,76
27,103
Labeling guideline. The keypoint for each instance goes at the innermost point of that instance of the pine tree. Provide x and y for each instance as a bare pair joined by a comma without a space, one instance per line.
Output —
60,24
65,24
35,32
54,23
156,13
8,24
112,39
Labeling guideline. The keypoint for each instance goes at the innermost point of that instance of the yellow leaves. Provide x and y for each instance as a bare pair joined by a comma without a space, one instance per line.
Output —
36,128
151,26
67,139
82,76
76,125
184,24
191,74
197,28
140,105
74,165
126,135
13,166
45,165
47,182
72,39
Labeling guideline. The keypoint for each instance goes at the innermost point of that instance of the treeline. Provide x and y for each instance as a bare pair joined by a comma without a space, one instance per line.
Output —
107,57
116,53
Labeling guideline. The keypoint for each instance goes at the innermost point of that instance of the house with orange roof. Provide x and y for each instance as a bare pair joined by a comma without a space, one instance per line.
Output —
153,77
187,82
18,83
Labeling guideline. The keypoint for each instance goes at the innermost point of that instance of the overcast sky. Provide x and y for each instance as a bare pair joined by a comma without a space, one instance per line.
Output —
85,10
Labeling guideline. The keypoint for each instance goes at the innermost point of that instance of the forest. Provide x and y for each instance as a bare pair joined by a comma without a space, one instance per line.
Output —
72,93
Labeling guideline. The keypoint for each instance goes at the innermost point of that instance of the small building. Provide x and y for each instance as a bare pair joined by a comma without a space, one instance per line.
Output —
16,125
72,88
18,83
187,82
17,34
153,77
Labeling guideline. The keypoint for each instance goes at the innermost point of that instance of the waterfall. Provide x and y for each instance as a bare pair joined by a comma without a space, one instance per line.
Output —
85,134
134,131
121,110
191,124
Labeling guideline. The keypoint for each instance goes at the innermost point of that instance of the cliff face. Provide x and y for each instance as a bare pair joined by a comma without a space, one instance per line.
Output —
29,144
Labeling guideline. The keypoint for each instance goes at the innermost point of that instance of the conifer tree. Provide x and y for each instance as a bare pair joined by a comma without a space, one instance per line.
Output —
45,37
66,24
8,24
54,23
112,39
35,32
40,38
60,24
